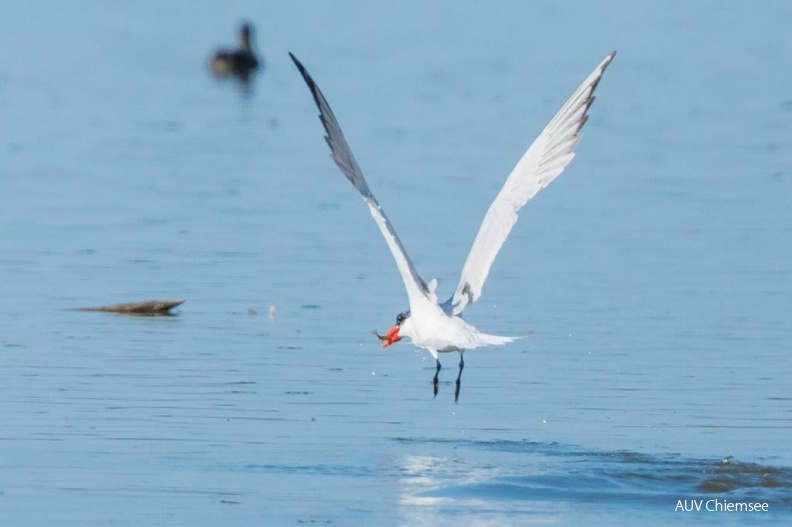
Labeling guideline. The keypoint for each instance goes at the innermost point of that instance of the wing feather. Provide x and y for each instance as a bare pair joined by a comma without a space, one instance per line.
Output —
342,155
544,160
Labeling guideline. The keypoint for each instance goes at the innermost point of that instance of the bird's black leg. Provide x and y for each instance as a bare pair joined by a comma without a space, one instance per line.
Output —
459,377
435,381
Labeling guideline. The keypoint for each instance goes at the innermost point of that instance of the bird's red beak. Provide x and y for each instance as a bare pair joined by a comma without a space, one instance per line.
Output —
390,337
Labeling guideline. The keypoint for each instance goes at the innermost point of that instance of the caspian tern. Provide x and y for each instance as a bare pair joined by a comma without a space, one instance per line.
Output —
439,327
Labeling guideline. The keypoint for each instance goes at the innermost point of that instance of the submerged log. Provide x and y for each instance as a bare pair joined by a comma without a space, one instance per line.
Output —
148,307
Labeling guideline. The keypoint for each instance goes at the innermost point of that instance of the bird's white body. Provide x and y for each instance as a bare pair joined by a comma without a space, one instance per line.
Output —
438,327
431,328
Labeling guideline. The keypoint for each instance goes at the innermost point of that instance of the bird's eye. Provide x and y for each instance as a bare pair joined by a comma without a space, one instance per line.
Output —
401,317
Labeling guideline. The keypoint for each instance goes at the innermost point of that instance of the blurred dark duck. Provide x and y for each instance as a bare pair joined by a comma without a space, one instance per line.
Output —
241,61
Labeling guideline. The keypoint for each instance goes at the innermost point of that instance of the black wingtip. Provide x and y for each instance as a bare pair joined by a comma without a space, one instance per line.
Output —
306,77
297,63
609,60
302,70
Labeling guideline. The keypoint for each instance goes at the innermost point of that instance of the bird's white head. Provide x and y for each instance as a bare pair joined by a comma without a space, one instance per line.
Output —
397,332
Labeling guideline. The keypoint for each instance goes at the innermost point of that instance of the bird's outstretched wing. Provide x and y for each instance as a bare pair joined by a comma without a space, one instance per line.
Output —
342,155
544,160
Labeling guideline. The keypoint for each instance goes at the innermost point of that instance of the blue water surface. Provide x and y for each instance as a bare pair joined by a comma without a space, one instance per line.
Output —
652,280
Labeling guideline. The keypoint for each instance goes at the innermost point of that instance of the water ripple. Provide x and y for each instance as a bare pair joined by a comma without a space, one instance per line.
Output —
555,472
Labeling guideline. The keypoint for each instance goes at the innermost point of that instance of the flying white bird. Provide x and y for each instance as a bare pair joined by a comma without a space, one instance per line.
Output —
439,327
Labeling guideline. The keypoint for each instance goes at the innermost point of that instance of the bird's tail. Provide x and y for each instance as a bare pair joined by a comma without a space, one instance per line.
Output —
495,340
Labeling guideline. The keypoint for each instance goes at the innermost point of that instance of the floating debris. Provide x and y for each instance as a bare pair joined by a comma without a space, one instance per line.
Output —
148,307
